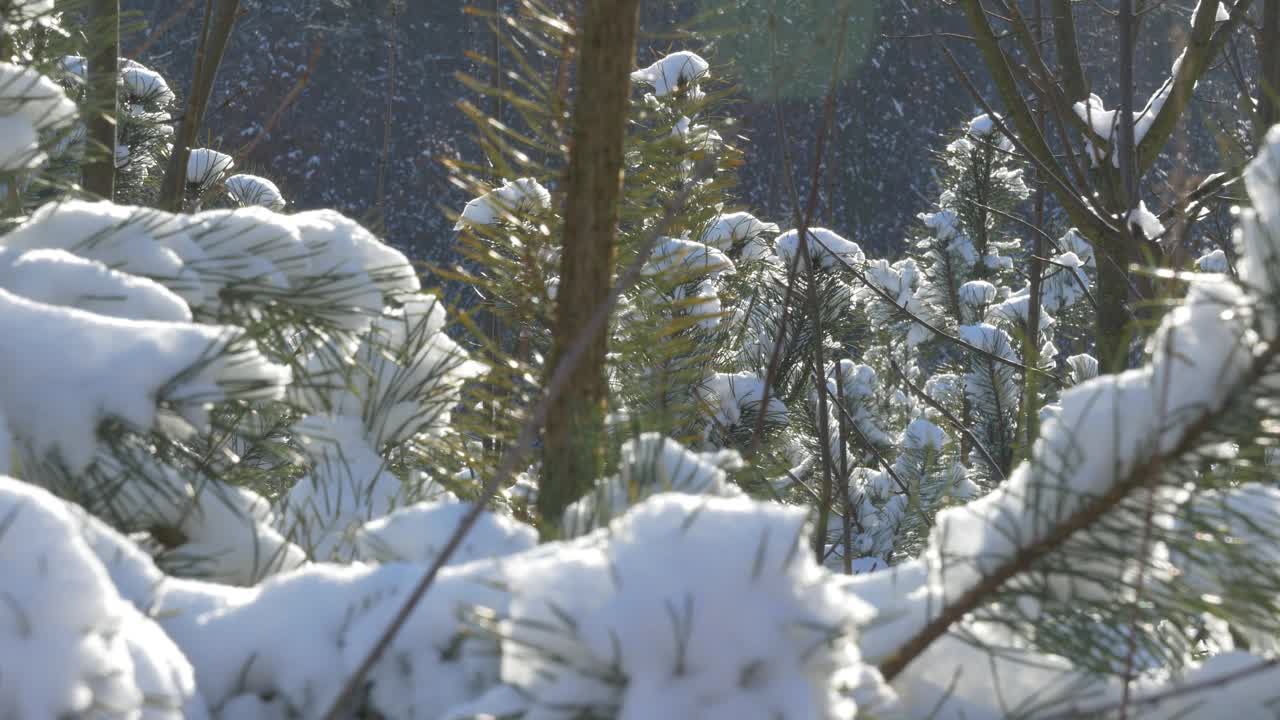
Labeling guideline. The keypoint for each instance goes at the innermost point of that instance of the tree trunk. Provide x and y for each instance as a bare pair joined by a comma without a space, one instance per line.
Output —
1029,413
574,440
99,173
215,31
1269,49
1113,326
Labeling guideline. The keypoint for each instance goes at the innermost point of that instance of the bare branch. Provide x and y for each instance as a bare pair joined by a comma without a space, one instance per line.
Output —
1204,44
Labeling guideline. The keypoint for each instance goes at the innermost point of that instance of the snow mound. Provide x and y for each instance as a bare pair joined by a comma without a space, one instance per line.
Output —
606,624
738,230
728,395
29,103
71,646
121,369
680,260
418,534
26,94
650,464
259,652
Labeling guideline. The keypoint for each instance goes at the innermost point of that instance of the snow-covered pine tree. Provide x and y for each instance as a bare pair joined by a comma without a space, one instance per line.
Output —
678,166
1125,568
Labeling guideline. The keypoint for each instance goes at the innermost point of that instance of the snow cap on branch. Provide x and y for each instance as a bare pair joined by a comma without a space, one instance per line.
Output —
206,167
144,83
512,202
1214,262
29,103
826,247
677,71
254,190
55,400
731,230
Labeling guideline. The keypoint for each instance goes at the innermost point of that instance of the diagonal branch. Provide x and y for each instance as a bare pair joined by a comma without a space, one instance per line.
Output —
215,32
557,385
951,418
1089,513
1068,48
1028,138
1204,44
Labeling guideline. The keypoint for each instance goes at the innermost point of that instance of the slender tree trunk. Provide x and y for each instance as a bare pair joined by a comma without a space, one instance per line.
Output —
7,47
573,443
1074,81
215,32
1115,256
1269,49
1030,419
102,75
1113,326
1126,151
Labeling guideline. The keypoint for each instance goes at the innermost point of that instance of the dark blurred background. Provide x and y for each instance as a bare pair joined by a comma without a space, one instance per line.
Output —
897,98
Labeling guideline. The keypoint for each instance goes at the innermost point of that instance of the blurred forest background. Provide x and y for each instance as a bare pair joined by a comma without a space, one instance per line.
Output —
332,65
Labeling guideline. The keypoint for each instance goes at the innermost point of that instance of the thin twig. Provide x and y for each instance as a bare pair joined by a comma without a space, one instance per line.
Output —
951,418
1089,512
386,120
929,326
803,221
289,99
160,30
524,446
1218,681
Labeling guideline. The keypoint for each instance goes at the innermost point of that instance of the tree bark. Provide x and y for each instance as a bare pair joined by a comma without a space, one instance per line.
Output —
1269,49
102,75
1126,151
1113,323
573,442
1029,413
1074,80
215,32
